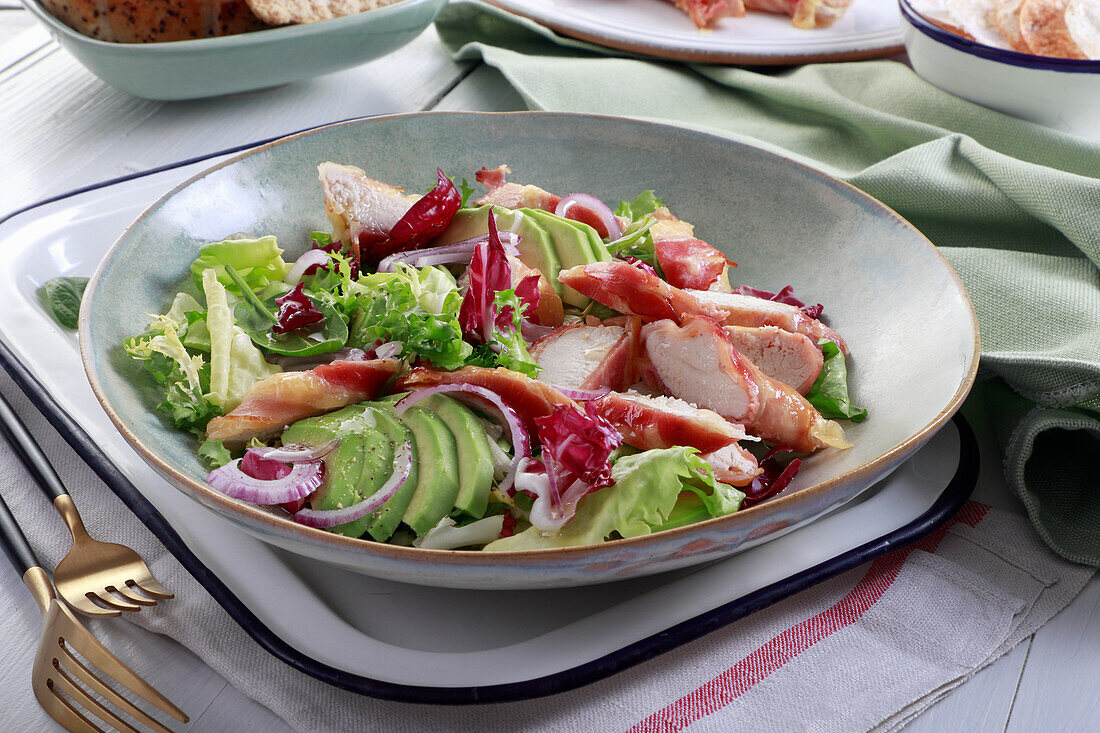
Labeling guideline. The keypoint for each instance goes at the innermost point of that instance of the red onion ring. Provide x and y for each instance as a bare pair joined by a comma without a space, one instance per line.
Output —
303,480
292,454
597,207
389,350
324,518
581,394
457,252
303,263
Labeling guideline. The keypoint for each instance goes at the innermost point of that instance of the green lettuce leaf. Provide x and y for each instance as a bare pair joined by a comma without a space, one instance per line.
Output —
647,490
643,205
213,453
829,394
259,261
184,376
419,308
235,362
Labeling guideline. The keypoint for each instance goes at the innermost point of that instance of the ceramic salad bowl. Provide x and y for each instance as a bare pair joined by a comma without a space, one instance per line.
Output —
907,319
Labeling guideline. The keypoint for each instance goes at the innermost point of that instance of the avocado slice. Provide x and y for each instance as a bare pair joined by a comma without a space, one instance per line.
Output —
357,468
385,520
342,467
475,462
535,246
573,246
437,479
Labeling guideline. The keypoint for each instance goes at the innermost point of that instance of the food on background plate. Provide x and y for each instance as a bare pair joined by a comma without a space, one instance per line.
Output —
153,21
1068,29
803,13
519,371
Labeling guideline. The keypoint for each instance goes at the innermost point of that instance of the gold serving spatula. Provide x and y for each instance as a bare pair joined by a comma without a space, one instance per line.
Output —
96,578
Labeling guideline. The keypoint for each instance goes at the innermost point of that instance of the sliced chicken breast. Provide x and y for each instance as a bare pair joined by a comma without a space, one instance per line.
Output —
791,358
649,422
697,363
361,209
733,465
515,196
550,310
272,403
746,310
580,356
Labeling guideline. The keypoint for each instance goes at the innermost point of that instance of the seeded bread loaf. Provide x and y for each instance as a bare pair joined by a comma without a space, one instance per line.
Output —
149,21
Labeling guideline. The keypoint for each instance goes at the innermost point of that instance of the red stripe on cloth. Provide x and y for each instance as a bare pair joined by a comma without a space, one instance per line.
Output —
738,679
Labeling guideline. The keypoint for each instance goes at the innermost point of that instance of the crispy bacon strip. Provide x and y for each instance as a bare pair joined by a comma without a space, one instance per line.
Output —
687,262
530,398
274,402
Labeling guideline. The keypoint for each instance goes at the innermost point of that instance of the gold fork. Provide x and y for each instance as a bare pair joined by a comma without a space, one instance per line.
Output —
92,570
61,682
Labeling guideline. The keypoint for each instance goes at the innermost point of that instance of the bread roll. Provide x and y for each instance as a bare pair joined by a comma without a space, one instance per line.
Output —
150,21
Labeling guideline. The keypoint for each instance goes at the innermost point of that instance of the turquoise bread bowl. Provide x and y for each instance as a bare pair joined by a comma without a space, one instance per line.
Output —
885,287
208,67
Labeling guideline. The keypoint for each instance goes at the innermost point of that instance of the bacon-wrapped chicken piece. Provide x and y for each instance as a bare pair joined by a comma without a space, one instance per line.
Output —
274,402
697,363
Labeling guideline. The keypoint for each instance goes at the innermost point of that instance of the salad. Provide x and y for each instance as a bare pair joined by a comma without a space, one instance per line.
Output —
520,371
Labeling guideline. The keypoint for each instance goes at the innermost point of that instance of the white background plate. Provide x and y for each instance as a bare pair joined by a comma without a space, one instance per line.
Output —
407,634
869,29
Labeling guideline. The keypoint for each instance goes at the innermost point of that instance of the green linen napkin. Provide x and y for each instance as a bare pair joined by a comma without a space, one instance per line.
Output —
1015,207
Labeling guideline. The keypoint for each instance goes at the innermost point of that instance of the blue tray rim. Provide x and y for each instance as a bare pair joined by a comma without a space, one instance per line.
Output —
954,495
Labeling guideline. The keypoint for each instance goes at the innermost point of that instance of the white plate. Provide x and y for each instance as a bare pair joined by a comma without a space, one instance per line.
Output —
869,29
512,643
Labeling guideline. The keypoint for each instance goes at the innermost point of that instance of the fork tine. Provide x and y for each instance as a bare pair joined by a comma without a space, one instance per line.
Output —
77,669
115,602
61,682
85,605
62,710
125,592
152,587
91,649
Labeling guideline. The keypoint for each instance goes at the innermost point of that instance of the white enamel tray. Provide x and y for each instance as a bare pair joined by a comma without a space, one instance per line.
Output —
404,643
869,29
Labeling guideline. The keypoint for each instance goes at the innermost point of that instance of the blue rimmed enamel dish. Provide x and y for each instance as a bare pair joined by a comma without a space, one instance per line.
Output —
1060,93
902,309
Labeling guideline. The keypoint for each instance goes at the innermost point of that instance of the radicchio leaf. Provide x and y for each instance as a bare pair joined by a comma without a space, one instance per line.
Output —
786,295
425,219
774,478
641,265
296,311
576,448
489,273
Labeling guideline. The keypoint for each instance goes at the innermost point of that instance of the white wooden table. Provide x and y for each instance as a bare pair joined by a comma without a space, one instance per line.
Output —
61,128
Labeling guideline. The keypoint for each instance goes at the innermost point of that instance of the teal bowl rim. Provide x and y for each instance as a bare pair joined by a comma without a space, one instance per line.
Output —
284,526
237,40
